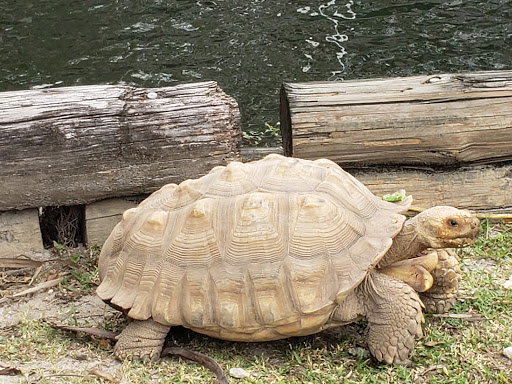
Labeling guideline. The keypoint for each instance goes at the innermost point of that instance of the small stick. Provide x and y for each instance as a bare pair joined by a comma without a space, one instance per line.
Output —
13,272
97,332
36,275
482,215
199,358
104,375
463,316
9,371
503,216
10,262
40,287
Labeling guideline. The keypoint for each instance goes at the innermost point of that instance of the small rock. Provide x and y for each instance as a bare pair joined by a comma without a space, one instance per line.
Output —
152,95
508,352
359,352
508,283
238,373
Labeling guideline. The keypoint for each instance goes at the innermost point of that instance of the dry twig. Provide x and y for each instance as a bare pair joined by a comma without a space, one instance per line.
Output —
462,316
16,262
9,371
104,375
97,332
199,358
479,215
40,287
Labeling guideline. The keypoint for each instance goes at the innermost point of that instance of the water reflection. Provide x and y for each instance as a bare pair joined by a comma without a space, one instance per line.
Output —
250,48
331,12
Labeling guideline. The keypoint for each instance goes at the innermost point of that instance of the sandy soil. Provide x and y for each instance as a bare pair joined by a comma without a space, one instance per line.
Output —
66,303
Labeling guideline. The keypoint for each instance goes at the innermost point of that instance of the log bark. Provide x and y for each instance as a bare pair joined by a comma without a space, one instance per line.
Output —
69,146
484,187
444,120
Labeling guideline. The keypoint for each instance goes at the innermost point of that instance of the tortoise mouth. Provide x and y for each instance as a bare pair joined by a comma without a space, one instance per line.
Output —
459,242
469,241
465,241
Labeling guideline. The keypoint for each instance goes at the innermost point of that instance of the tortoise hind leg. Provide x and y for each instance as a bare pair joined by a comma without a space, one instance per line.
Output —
394,314
447,274
142,340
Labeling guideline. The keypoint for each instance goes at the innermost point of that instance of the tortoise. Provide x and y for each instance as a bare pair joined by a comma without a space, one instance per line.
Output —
272,249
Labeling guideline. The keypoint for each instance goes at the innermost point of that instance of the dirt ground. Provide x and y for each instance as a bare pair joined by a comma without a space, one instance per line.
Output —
25,322
49,307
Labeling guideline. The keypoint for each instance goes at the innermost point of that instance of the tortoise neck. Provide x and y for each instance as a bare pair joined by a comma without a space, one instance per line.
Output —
405,245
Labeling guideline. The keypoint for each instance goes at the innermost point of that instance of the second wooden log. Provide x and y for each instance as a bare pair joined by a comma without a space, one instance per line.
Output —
443,120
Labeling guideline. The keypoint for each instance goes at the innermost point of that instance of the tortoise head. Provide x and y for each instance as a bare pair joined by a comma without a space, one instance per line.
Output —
447,227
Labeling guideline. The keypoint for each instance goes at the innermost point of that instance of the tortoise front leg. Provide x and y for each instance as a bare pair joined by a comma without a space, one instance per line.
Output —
141,340
394,314
447,274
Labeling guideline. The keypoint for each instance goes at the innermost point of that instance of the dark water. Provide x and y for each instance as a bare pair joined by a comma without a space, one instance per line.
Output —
248,47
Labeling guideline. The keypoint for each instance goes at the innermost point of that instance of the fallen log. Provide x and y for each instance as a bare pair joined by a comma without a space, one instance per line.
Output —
74,145
444,120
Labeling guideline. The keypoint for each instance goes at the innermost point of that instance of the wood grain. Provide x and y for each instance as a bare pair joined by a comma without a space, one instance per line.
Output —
68,146
102,216
446,120
478,187
19,233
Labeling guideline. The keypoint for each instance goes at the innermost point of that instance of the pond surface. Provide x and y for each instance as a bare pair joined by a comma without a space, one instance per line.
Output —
248,47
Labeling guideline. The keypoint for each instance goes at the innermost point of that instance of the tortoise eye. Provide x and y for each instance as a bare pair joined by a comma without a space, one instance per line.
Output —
453,223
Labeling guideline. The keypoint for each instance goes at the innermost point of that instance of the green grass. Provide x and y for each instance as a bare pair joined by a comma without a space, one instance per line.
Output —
453,350
263,137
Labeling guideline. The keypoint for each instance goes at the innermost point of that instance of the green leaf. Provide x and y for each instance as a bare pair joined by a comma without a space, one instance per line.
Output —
393,197
58,246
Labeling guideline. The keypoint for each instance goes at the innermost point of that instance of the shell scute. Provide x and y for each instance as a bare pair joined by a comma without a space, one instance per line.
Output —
319,226
166,302
257,234
313,283
290,174
141,244
231,180
349,193
196,305
164,198
233,307
192,242
273,301
352,268
129,214
141,307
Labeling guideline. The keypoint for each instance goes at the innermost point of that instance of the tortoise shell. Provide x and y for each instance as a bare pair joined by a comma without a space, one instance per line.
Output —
256,251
